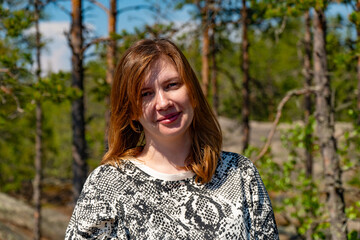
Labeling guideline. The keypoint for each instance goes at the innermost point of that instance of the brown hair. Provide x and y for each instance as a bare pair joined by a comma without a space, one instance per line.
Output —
126,137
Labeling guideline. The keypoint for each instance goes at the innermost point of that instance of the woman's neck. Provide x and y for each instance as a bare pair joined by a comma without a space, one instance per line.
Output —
166,156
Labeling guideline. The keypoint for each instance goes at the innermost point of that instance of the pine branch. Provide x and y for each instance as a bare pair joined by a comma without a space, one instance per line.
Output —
281,105
64,9
138,7
100,5
278,31
8,91
354,167
94,41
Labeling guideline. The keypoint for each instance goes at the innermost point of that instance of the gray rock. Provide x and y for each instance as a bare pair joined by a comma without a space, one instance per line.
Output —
17,221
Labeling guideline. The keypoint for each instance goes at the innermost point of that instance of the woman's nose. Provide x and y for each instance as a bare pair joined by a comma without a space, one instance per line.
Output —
162,101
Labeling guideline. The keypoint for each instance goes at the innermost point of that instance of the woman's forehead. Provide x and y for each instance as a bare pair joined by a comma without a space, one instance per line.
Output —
163,68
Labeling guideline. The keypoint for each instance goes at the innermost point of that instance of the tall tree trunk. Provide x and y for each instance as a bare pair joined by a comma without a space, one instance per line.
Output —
325,130
214,69
205,47
358,65
77,107
110,59
307,100
38,138
38,172
307,112
246,77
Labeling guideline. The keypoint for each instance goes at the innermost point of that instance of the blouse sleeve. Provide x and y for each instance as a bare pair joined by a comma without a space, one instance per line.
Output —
262,215
95,215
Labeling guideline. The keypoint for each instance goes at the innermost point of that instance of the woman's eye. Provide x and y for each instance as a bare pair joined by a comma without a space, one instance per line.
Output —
173,85
145,94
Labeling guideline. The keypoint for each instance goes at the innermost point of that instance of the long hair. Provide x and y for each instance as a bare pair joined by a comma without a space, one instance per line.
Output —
126,137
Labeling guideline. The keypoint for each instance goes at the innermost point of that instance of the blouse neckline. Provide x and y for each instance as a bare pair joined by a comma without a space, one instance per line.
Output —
162,176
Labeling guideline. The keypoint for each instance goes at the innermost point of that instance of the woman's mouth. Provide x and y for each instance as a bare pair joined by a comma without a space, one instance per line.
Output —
169,118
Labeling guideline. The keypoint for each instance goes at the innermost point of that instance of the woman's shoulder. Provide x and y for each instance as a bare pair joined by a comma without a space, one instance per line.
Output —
236,177
231,160
110,172
105,180
103,173
233,167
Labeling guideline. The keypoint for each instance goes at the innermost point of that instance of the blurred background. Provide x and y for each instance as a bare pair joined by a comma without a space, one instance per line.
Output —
283,77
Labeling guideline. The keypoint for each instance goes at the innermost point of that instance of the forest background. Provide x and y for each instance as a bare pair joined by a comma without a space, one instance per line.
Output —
290,62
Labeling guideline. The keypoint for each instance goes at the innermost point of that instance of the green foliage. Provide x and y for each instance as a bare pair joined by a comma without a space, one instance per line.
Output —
16,159
301,196
353,235
354,17
14,21
353,212
15,58
96,71
55,88
17,146
57,140
97,90
302,201
15,133
280,72
19,92
349,149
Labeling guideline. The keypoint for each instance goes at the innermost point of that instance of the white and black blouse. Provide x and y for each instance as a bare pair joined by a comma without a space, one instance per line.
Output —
133,201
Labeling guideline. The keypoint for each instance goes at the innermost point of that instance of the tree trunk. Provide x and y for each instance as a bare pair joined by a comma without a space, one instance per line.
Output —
205,49
325,130
308,110
38,172
77,107
111,61
358,85
358,66
214,83
246,77
38,138
307,100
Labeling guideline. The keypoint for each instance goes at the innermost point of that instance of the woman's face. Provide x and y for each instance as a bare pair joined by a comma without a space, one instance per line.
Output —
167,111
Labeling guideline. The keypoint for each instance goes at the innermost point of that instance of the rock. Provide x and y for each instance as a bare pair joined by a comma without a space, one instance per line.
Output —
10,233
17,221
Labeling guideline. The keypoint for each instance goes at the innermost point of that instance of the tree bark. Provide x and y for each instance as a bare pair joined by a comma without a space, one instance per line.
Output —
111,61
38,137
214,69
307,99
308,110
205,47
38,172
325,129
358,66
77,107
246,77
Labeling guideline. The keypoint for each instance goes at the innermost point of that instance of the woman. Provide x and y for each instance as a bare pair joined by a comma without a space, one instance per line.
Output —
164,175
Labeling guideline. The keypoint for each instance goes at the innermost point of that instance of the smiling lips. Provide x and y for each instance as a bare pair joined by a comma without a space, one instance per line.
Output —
170,118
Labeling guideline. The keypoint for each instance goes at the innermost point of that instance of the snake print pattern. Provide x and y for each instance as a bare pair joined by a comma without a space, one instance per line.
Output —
127,203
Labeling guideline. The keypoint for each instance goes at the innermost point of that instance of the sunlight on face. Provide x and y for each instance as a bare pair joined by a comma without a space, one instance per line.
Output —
166,107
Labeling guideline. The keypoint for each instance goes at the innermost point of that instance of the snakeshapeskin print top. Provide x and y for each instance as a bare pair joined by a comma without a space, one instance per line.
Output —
133,201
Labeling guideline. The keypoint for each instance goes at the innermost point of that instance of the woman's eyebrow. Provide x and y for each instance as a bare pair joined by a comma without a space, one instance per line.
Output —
172,79
148,85
145,88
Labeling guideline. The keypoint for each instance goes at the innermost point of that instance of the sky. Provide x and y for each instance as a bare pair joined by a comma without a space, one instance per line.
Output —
57,53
